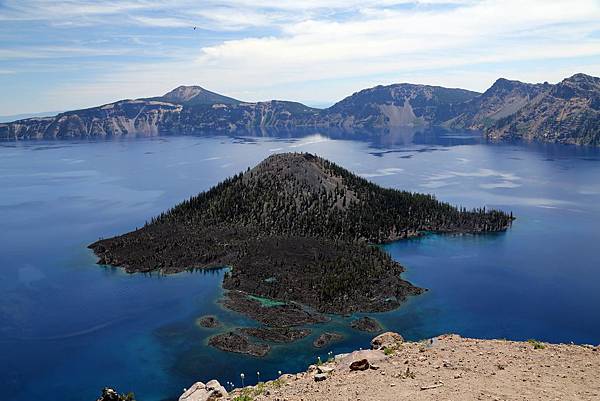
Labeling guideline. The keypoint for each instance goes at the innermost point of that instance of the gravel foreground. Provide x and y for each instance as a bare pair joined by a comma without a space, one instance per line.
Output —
448,367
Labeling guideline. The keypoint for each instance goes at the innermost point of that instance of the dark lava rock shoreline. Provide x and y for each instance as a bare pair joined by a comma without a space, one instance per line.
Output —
278,335
281,315
209,322
367,324
327,338
297,229
234,342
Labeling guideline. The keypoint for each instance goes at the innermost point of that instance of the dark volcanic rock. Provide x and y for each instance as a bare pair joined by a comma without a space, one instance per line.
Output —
326,338
208,322
233,342
279,315
366,324
275,334
361,364
297,229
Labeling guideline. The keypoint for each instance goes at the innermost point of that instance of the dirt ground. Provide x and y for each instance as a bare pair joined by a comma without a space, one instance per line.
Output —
447,368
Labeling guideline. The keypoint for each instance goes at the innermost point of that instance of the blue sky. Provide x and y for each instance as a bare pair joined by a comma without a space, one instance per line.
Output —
67,54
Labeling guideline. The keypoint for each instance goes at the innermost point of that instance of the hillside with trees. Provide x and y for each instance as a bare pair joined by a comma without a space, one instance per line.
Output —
297,228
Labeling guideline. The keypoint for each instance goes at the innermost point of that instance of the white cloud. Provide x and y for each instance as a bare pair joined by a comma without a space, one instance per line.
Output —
322,50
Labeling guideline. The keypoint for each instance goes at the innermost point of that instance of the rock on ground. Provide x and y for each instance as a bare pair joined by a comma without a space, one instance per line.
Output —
387,340
199,391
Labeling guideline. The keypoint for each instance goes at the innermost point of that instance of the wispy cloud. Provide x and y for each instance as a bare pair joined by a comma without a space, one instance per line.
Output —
303,50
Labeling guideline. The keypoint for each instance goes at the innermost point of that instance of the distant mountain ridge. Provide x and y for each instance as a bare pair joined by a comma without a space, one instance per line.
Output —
502,99
567,112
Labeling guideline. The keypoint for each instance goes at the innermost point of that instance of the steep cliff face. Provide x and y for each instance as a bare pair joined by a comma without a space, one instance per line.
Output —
569,112
231,117
502,99
397,105
148,117
127,117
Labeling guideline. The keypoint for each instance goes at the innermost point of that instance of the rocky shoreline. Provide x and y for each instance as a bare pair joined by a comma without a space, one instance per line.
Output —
367,324
280,315
208,322
447,367
235,342
327,338
279,335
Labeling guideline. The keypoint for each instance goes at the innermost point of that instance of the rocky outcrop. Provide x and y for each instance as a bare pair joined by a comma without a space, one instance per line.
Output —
109,394
275,334
234,342
280,315
361,364
209,322
388,340
211,391
366,324
326,338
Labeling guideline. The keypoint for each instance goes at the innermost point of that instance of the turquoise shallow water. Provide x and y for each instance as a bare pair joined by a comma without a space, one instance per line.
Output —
71,326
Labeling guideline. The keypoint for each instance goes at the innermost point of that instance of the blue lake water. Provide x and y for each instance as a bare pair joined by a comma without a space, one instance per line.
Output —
69,327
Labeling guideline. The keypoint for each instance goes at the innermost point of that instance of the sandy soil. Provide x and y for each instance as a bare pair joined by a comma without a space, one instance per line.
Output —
449,368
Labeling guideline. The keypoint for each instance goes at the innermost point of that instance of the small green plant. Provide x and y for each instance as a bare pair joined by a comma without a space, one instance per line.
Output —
277,383
248,393
319,361
243,397
259,388
536,344
388,350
